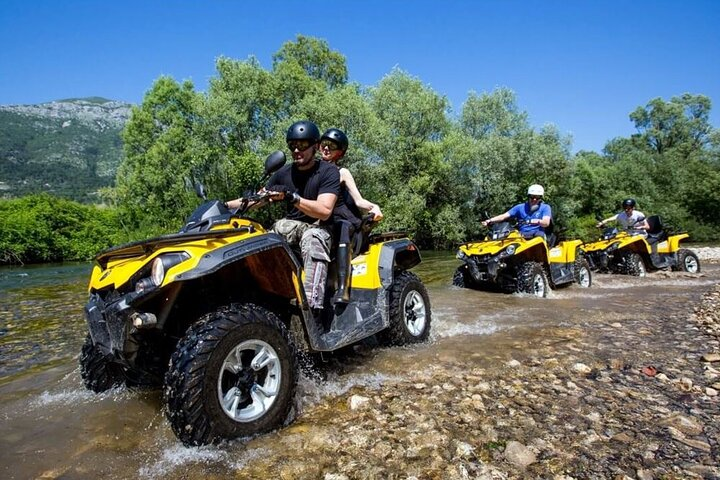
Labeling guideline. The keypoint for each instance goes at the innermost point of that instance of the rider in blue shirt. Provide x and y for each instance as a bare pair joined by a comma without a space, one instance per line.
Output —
533,216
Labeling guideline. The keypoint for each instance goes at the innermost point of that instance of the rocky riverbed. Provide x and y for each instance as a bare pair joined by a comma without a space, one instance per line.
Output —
619,381
629,398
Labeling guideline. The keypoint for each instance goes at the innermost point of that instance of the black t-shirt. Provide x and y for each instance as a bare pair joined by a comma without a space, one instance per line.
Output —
310,184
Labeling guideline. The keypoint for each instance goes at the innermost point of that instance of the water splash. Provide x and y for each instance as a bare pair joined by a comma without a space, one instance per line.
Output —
313,390
77,396
177,456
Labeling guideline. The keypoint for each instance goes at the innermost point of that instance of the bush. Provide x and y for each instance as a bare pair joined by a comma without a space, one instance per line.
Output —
43,228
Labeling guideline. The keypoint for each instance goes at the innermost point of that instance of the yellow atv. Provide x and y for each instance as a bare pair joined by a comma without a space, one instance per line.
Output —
507,261
629,252
215,314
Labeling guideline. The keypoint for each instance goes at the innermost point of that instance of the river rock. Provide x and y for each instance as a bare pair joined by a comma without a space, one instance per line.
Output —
358,402
686,425
581,368
711,357
518,454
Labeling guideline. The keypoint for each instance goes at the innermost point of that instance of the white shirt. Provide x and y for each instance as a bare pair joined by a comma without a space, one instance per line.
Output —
626,222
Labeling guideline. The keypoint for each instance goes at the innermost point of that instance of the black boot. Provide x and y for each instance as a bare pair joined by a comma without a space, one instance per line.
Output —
342,295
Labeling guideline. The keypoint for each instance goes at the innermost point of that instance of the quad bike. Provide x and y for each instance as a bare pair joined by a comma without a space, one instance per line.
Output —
216,314
507,261
629,252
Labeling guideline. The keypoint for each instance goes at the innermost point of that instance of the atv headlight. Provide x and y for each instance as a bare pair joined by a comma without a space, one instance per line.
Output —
460,255
163,263
158,271
509,250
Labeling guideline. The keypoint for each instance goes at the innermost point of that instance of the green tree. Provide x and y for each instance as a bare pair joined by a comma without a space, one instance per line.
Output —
495,113
315,58
412,169
682,123
159,157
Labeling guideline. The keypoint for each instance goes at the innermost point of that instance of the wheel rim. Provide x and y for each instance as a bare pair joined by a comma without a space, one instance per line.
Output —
691,265
641,268
415,315
539,285
584,277
249,380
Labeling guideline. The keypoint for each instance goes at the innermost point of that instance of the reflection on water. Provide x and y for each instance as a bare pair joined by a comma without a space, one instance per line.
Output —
41,320
53,428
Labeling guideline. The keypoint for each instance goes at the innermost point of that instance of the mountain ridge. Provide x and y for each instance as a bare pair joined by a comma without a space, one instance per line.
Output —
70,147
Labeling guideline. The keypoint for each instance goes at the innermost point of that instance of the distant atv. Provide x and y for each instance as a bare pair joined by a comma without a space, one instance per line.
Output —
630,253
507,261
214,314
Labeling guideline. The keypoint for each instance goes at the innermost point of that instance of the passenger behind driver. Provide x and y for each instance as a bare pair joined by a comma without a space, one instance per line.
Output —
533,216
346,215
631,220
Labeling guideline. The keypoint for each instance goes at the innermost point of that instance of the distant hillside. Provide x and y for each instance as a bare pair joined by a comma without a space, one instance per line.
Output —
69,148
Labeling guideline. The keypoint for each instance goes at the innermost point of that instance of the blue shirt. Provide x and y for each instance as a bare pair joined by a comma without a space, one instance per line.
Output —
522,213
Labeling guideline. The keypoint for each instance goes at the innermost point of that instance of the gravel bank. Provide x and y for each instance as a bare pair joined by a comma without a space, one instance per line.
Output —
627,399
711,254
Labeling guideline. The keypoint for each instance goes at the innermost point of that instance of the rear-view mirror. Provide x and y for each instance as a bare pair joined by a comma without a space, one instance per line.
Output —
274,162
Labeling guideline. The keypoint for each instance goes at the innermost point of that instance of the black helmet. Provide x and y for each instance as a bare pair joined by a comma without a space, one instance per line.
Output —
628,202
303,130
337,136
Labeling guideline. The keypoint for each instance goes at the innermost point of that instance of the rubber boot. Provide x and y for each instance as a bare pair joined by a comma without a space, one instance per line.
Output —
342,295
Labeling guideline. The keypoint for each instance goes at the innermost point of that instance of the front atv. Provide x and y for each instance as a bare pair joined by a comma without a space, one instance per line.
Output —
631,253
508,262
217,312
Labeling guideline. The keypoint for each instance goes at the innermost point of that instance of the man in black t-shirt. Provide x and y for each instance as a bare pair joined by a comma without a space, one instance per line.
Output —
311,189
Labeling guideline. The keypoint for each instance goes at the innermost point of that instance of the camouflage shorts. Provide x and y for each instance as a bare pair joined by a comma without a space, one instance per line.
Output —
314,242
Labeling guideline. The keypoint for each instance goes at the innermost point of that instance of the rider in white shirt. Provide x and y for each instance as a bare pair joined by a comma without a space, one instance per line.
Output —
629,219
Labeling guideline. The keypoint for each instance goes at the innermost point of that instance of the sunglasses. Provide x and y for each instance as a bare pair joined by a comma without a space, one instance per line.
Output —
330,145
534,197
300,145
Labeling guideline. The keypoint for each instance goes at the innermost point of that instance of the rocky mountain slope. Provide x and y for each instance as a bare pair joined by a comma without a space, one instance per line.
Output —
69,148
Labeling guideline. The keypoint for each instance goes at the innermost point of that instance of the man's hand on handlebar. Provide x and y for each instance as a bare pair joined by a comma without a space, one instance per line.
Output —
282,192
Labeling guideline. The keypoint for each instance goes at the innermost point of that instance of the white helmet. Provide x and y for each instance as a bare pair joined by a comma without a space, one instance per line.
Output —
536,190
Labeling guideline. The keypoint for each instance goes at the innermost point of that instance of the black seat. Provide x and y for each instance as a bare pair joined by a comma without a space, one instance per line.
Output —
656,232
550,235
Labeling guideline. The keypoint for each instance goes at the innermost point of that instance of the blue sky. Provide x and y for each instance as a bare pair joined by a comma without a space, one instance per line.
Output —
580,65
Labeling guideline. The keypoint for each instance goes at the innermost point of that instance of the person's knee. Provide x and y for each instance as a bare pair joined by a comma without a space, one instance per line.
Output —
315,243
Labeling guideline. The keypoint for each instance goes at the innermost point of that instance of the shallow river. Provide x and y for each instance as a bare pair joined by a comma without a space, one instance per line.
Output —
51,427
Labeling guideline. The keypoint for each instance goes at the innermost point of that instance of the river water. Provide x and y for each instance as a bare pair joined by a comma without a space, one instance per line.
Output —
51,427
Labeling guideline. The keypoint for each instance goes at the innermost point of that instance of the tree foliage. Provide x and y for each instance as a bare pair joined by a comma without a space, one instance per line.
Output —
315,58
434,174
43,228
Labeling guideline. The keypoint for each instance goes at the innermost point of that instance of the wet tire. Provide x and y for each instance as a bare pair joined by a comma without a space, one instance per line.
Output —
632,263
581,272
687,261
459,278
97,372
532,279
233,374
410,315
